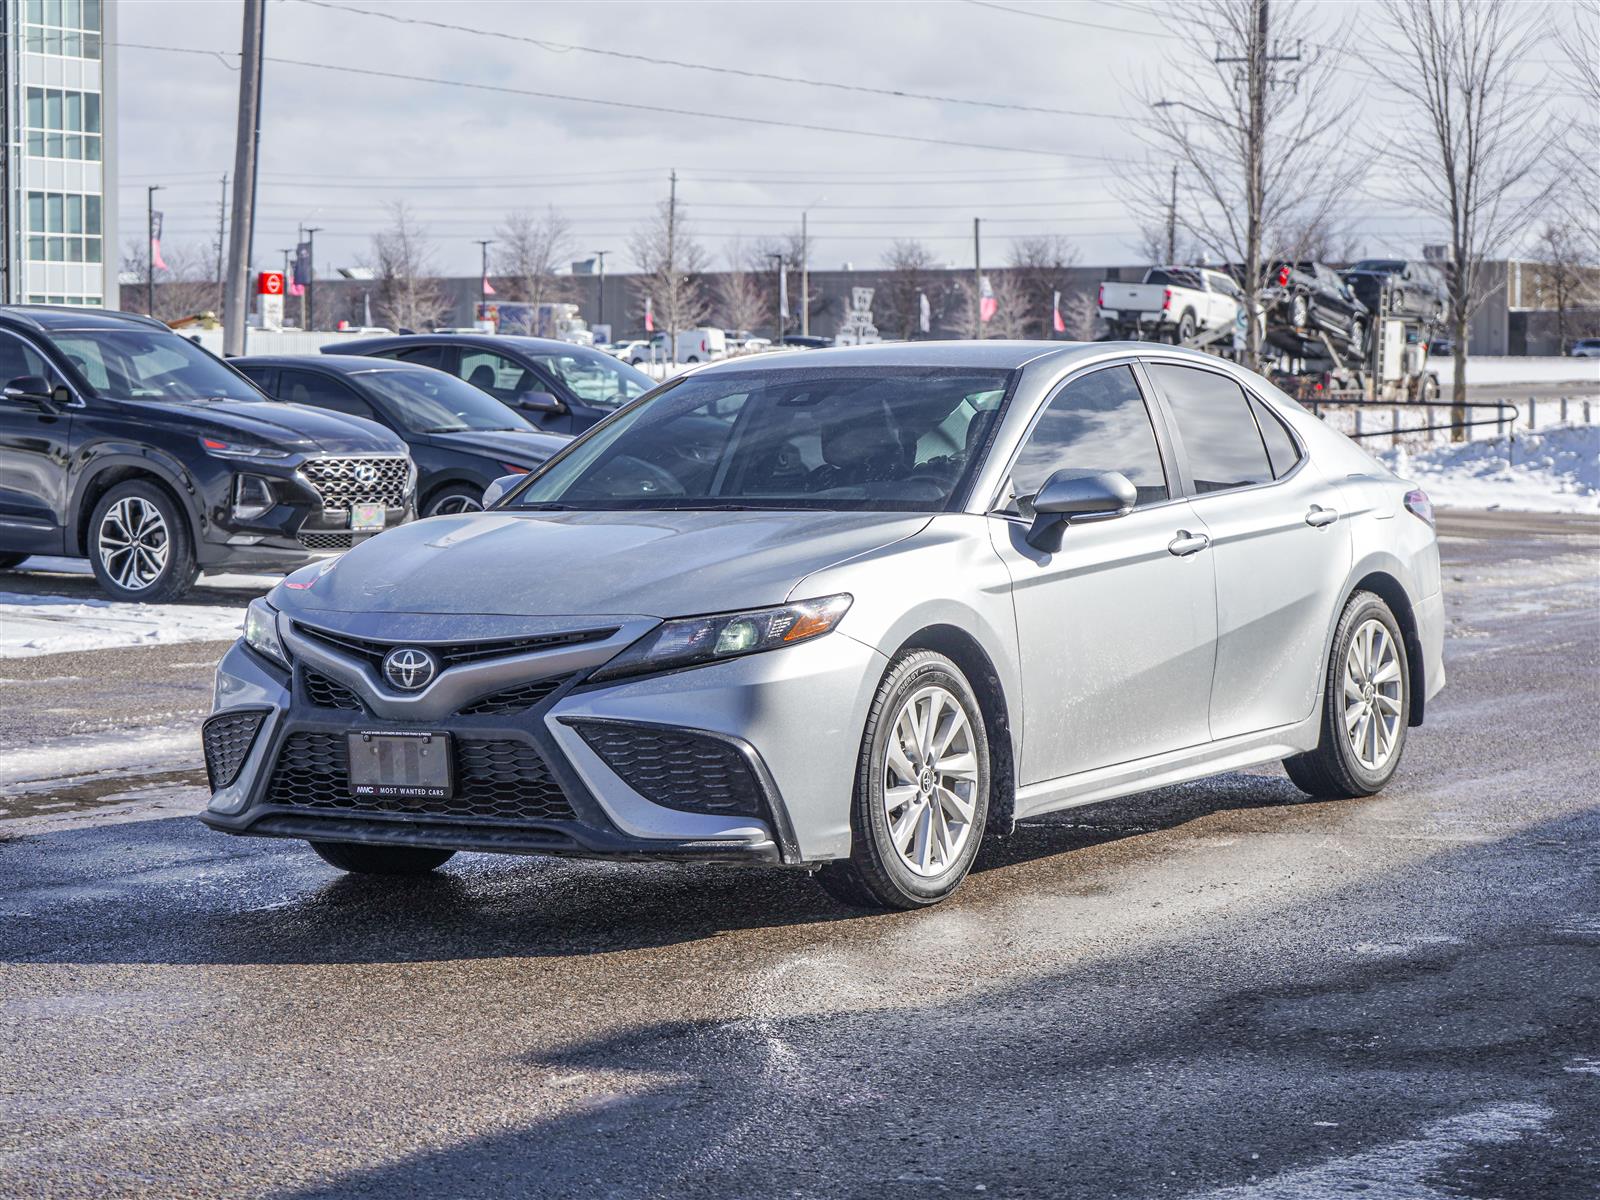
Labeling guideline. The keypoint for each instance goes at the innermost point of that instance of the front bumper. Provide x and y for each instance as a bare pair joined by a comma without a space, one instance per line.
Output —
793,717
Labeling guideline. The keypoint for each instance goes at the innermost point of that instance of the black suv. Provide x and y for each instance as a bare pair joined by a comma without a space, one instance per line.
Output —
125,443
560,387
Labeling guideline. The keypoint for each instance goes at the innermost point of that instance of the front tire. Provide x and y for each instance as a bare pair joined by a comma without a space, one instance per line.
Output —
140,547
1366,706
921,798
456,498
360,859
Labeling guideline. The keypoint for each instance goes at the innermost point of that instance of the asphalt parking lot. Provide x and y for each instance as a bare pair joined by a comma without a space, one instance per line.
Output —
1216,990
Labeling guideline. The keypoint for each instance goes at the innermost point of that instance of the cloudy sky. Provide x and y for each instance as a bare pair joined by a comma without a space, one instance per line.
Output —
467,124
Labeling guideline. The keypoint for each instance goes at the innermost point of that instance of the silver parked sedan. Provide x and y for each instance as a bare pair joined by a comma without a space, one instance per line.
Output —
850,614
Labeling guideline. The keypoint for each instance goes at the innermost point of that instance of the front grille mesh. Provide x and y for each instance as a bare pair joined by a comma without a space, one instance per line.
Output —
455,653
337,480
327,541
675,768
494,780
330,693
228,738
514,699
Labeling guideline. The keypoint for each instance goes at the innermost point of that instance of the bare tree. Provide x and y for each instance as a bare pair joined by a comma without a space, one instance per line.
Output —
1081,314
670,262
1472,144
1256,133
529,251
1012,312
187,288
740,301
1578,36
1564,277
407,294
912,274
1041,266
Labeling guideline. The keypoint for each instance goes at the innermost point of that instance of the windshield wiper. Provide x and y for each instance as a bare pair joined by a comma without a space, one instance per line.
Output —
545,506
446,429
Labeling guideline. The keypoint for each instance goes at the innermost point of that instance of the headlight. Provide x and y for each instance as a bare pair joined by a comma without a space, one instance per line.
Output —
696,640
252,497
221,449
261,632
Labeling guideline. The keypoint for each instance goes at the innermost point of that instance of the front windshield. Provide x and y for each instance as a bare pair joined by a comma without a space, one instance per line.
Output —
147,364
1379,266
594,378
424,401
890,439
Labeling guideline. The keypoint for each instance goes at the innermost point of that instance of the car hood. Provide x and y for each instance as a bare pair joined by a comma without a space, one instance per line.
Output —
516,446
285,426
661,564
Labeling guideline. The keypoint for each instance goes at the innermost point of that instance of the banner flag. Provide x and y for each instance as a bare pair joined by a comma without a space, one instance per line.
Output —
302,269
1057,323
155,243
924,313
987,304
649,316
783,291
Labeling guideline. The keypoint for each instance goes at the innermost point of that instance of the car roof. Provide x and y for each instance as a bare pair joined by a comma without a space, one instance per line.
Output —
486,341
54,318
991,353
340,364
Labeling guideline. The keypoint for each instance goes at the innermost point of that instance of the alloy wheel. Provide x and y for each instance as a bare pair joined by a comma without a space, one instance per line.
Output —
1373,695
930,781
133,542
454,504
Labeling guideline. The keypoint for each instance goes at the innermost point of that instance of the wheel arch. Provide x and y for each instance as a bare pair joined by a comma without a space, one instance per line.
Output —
967,653
454,479
1392,592
106,475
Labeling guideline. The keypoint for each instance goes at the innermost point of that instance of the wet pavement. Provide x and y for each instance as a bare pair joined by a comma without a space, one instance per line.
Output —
1219,989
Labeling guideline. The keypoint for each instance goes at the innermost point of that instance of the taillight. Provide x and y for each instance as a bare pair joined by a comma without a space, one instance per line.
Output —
1166,300
1283,276
1419,506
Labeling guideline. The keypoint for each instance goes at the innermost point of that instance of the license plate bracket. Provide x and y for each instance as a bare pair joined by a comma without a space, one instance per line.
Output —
400,765
368,516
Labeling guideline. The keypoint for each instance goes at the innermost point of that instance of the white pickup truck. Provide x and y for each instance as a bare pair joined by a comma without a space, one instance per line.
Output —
1176,304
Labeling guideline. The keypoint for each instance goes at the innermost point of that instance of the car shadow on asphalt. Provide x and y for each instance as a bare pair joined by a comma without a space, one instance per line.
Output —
1273,1050
202,897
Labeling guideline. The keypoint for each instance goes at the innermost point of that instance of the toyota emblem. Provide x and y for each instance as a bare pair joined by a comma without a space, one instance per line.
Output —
408,668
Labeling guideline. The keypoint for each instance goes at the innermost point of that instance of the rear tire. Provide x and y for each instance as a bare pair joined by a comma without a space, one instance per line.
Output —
1366,706
361,859
1184,334
921,797
7,561
139,544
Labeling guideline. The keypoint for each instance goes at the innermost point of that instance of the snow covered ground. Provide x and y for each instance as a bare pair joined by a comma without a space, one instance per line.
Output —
90,754
1583,373
1553,470
32,624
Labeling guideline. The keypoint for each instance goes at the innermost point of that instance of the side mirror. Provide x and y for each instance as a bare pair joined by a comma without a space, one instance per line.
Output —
496,491
542,402
1068,496
31,389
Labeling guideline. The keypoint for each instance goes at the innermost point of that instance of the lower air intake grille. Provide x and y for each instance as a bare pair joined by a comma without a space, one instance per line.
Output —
675,768
326,541
228,738
514,699
330,693
494,780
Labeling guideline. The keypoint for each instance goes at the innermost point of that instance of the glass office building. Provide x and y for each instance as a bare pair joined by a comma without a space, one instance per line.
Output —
59,194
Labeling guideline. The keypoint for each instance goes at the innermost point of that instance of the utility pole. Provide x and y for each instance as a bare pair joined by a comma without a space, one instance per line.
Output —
977,283
286,275
311,278
483,277
1172,220
246,149
672,275
805,281
222,236
600,292
150,249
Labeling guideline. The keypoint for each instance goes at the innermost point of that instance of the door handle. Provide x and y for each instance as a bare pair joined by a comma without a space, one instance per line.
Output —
1187,543
1318,516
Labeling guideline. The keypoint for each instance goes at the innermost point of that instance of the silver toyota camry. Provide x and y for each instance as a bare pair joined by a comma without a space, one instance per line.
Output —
851,611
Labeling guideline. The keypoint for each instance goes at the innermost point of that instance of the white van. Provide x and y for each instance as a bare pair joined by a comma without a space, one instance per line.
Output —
694,345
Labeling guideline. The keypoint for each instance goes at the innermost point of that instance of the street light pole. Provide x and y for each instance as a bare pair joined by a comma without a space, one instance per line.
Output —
150,249
311,279
805,281
778,295
600,292
483,274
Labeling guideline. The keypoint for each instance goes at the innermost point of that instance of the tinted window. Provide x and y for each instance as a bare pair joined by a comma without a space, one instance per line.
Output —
422,356
17,359
319,391
1219,435
433,402
1097,423
503,378
149,364
1280,443
884,440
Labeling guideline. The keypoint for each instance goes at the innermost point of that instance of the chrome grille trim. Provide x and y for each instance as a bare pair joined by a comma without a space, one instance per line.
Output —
338,480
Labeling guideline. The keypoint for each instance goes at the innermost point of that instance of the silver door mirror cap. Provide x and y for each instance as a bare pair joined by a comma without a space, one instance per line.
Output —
1071,496
497,490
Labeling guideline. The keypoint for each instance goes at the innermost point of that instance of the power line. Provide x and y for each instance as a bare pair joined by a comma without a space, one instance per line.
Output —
1023,12
633,106
655,61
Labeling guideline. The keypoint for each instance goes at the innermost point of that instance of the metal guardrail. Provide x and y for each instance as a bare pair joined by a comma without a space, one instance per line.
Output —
1505,417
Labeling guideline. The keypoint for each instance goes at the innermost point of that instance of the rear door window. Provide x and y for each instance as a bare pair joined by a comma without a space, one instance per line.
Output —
1219,435
1281,449
319,391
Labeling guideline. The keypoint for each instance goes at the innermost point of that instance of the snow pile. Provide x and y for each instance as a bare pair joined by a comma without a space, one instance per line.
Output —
1494,370
1554,470
173,746
33,624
